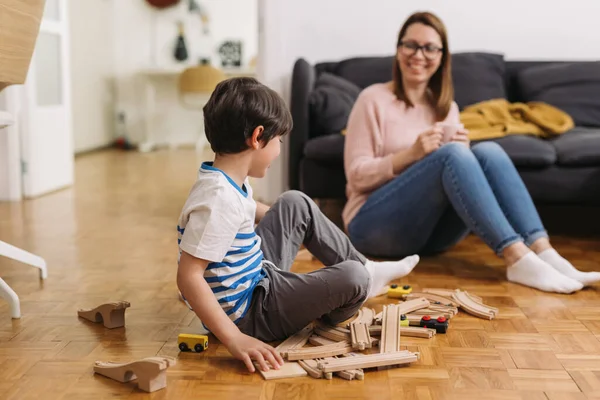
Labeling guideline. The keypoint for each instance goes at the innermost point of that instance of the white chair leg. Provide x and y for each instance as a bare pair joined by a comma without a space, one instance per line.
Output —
11,297
15,253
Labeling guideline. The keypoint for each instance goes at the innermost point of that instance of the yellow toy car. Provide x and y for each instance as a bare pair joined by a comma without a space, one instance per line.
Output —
404,321
188,341
396,291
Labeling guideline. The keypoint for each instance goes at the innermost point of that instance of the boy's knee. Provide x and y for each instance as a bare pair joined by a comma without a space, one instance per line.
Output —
296,200
356,276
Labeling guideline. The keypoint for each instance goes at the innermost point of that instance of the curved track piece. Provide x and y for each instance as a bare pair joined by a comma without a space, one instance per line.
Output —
432,297
446,293
111,314
365,315
150,372
473,307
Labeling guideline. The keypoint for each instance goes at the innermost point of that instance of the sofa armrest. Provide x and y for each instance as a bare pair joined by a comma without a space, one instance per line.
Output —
303,82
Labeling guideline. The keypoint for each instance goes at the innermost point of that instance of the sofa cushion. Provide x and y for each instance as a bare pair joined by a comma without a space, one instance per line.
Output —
330,103
327,149
578,147
562,185
365,71
527,151
478,77
572,87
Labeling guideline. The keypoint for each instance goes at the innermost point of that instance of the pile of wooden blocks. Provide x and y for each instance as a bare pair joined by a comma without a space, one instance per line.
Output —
334,348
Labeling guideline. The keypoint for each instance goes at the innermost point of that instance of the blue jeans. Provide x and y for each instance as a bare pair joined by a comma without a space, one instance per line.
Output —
437,201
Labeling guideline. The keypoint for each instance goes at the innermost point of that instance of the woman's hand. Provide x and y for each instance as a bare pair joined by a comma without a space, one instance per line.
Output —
246,348
428,142
462,136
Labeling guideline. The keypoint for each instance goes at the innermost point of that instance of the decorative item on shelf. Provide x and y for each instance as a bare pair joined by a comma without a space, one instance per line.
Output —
199,80
160,4
231,53
181,53
195,8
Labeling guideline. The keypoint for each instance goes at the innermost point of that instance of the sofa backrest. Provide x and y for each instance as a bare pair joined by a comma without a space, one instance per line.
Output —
365,71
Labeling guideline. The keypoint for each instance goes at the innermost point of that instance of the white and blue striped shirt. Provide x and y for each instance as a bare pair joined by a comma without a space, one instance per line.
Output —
217,225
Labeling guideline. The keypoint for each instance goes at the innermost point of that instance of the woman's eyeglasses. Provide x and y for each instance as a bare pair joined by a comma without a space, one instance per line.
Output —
430,51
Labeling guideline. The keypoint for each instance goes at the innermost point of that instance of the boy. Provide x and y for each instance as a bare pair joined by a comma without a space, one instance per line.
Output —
236,278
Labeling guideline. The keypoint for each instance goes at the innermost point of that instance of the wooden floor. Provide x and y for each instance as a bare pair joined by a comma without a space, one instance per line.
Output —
113,237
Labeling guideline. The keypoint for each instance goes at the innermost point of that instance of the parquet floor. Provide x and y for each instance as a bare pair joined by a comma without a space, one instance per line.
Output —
112,237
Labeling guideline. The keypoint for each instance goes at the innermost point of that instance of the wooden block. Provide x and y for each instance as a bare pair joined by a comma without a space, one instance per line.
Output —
111,314
310,366
337,333
309,353
348,375
317,340
408,306
288,370
151,372
413,331
408,331
390,329
295,341
361,339
368,361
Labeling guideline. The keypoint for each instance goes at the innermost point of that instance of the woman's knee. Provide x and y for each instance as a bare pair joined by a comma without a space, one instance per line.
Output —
455,151
489,151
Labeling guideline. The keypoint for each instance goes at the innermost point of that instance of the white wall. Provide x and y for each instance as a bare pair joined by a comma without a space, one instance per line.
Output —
92,72
145,38
331,30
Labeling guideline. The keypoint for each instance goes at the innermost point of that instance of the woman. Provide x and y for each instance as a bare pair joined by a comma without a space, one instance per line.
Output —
409,192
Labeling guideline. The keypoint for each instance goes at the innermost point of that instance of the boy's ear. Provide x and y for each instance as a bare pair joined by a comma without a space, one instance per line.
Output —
256,137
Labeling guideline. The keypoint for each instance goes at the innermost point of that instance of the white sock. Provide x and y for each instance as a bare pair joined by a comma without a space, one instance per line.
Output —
532,271
386,271
563,266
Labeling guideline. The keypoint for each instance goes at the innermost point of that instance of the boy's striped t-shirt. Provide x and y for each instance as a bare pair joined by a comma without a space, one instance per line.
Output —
217,225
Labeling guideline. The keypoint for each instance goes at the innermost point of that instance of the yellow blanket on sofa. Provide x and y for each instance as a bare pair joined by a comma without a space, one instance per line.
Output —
496,118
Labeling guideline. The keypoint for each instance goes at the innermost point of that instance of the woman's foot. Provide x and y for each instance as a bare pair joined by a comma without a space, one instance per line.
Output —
530,270
563,266
386,271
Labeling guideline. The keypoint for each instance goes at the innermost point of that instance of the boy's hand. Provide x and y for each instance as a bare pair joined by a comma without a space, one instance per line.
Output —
247,348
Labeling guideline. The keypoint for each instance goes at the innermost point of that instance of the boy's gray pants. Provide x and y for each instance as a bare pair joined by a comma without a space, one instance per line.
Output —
285,302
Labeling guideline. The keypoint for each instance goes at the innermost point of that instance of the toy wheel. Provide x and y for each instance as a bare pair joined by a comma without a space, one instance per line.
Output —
198,348
183,347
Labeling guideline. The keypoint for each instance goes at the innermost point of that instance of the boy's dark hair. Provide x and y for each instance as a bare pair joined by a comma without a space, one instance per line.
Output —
236,107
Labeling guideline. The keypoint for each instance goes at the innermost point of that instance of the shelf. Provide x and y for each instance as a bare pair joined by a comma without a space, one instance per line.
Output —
178,69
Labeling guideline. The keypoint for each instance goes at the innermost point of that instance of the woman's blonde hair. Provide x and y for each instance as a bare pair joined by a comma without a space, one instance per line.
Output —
440,83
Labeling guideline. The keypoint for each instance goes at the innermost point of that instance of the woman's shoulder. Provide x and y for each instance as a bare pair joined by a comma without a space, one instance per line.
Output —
453,113
377,93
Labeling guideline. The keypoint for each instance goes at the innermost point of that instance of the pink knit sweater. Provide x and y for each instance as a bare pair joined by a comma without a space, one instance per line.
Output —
379,126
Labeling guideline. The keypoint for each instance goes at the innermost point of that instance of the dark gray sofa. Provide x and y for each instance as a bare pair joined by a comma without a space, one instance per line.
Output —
562,174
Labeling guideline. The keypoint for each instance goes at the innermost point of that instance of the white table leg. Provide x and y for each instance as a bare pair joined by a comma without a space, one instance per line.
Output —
23,256
11,297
